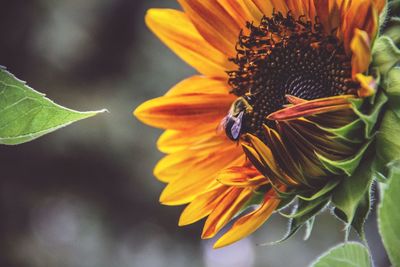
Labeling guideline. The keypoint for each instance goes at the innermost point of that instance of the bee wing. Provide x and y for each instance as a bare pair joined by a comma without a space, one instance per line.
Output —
237,126
222,125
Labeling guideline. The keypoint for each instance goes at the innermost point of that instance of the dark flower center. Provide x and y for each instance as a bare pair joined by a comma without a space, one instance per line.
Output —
286,56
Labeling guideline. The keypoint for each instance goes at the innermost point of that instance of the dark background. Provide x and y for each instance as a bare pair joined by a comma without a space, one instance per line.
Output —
85,196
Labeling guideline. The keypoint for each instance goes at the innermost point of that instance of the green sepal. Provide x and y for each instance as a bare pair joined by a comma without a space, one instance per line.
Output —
361,215
350,192
328,187
349,133
346,166
392,30
392,89
370,117
385,55
296,223
285,202
309,227
305,207
256,199
383,16
388,139
380,177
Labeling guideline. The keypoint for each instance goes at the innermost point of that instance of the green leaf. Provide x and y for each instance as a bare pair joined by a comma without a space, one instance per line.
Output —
388,138
26,114
385,54
389,217
349,254
350,192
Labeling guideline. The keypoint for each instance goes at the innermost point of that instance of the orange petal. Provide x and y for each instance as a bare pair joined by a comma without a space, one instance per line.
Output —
176,30
202,205
312,107
184,111
283,155
297,7
200,84
237,10
241,176
368,85
199,177
172,141
265,6
361,48
265,153
270,167
279,6
328,13
229,206
295,100
249,223
380,4
214,23
253,9
360,15
175,165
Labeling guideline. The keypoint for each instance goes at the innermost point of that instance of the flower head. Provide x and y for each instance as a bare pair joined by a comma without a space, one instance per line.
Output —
285,108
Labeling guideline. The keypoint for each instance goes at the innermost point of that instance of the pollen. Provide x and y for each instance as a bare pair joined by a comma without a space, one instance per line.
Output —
282,56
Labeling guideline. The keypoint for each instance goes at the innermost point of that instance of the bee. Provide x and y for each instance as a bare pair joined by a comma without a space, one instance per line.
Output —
233,123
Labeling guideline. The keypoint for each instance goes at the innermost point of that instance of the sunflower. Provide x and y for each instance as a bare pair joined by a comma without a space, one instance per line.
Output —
285,109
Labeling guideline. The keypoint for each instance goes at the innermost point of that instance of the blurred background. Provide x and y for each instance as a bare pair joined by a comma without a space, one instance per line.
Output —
85,196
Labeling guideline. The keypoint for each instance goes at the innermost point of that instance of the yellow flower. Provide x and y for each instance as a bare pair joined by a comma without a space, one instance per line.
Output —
274,75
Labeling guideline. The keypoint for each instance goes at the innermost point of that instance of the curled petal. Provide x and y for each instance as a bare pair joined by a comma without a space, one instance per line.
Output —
262,157
295,100
313,107
361,49
368,85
